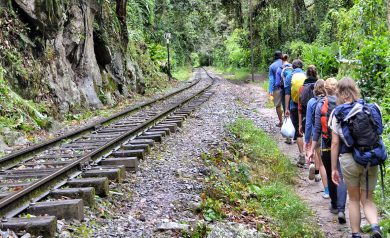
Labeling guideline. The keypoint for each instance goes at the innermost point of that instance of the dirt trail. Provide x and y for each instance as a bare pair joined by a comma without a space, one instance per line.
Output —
310,191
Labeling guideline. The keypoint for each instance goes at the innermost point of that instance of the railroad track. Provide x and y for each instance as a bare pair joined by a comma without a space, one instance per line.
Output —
55,179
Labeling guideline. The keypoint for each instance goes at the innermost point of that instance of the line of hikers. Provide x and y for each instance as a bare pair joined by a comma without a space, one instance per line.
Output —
337,134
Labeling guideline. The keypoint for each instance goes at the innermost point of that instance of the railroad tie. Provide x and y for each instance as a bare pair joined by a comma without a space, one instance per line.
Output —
87,194
44,226
100,184
62,209
130,163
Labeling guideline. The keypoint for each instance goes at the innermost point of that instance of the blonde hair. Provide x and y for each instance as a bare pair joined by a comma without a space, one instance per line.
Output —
347,91
319,88
330,86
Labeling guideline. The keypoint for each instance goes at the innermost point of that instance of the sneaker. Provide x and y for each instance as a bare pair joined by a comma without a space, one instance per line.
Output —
317,178
325,195
341,217
312,169
301,160
376,233
333,210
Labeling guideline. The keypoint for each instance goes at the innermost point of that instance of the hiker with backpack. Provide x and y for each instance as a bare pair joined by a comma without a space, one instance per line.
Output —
280,77
316,170
324,108
358,147
275,87
291,86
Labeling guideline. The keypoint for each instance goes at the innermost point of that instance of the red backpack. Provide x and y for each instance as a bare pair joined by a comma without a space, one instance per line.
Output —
329,103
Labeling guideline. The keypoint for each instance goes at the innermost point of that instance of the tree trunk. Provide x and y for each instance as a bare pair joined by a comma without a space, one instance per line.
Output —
121,14
388,14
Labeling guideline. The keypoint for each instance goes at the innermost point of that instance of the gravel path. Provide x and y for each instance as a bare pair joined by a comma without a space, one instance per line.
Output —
165,190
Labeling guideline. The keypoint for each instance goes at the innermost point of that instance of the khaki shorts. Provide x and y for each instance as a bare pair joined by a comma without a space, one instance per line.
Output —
354,174
277,97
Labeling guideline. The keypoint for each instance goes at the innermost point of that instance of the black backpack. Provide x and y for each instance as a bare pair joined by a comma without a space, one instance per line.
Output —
363,129
305,96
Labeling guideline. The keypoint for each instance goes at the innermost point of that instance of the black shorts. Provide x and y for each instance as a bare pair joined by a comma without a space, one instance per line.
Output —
295,121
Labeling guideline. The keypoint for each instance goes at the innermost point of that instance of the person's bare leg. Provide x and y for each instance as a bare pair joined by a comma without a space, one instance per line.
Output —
300,144
369,207
354,208
279,112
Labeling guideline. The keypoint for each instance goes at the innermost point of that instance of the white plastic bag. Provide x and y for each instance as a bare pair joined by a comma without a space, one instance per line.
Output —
287,129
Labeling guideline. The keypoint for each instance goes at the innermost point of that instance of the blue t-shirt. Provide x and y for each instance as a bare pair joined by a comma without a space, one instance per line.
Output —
272,74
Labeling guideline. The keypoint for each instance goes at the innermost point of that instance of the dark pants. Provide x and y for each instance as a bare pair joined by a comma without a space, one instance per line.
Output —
295,121
338,194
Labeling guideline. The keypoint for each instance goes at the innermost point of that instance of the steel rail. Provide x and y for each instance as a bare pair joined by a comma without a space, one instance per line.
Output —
34,149
7,201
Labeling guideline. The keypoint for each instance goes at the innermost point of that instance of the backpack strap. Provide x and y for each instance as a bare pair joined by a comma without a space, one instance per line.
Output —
324,118
366,173
382,169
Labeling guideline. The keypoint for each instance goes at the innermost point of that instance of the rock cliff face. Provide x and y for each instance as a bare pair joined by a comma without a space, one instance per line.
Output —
88,63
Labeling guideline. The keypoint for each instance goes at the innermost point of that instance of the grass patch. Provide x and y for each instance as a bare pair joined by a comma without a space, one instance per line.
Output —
383,204
252,181
241,74
182,73
269,103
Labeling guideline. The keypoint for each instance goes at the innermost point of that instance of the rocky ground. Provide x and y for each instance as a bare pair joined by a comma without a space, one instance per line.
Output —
163,196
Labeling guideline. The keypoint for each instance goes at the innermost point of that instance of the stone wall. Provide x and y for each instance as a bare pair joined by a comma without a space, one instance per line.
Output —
85,70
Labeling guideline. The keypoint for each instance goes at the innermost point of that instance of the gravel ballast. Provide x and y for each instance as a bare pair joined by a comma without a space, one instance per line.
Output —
162,197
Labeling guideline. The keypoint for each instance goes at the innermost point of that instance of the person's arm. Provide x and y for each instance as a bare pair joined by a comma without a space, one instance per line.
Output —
271,80
334,152
300,111
316,130
287,89
300,122
309,121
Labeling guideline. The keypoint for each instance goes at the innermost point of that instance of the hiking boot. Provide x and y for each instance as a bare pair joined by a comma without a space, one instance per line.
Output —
333,210
341,217
301,160
317,178
312,169
376,233
288,141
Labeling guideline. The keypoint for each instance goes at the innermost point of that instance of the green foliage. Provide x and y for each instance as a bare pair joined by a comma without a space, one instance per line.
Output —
257,145
20,114
323,57
237,54
212,210
182,73
289,211
195,59
200,231
254,176
235,74
375,66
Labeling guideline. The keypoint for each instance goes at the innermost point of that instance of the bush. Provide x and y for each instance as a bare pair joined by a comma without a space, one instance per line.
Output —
195,59
238,54
323,57
375,66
